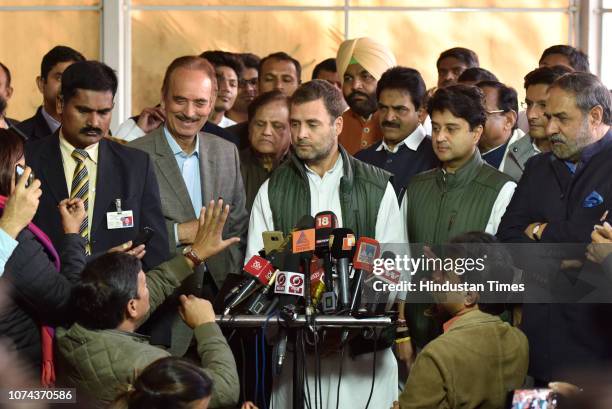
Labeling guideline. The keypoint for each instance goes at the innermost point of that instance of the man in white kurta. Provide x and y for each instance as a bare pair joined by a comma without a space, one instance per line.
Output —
315,125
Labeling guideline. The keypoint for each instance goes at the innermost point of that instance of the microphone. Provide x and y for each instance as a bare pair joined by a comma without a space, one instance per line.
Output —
261,302
342,246
367,250
289,286
376,300
260,272
304,245
325,223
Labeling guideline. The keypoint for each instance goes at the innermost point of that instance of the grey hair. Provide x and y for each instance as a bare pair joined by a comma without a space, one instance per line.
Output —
589,92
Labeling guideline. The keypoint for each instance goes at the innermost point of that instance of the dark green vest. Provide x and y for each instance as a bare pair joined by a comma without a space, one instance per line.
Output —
362,188
442,205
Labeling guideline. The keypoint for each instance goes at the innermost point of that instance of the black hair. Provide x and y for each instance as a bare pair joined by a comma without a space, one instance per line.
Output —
578,60
497,266
282,56
407,80
545,75
465,55
88,75
8,74
58,54
476,74
589,92
250,60
507,98
463,101
11,150
265,99
314,90
107,284
168,383
325,65
224,59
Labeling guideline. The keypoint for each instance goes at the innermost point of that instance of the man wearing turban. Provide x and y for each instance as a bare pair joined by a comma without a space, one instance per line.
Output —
361,62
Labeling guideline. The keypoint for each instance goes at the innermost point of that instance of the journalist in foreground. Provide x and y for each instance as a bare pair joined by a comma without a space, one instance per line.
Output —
101,354
479,358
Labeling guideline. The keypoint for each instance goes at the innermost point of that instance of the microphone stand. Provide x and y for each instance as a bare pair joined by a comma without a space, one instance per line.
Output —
299,324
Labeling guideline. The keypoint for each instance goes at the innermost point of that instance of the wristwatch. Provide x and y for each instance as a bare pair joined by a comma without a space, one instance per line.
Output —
535,231
193,256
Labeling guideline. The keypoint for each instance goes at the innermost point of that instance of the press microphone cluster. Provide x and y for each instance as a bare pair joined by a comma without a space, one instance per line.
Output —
319,268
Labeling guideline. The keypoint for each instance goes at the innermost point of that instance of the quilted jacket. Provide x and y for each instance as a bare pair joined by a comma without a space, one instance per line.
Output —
102,363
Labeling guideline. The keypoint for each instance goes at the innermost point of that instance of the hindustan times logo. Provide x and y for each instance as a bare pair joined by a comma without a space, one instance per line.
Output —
458,265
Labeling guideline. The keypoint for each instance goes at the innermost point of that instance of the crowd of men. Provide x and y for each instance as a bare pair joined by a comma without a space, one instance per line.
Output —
238,145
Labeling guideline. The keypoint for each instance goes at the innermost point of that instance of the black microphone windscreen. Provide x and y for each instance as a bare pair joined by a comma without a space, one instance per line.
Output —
338,247
305,222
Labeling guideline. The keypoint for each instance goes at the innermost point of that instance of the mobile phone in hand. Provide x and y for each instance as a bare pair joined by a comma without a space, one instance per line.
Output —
143,237
19,171
534,399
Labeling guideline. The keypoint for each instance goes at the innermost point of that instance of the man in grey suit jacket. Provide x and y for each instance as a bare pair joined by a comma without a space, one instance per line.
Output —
537,83
194,168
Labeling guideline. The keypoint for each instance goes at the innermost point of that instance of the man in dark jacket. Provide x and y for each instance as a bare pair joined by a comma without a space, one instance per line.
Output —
559,199
269,140
117,183
46,120
405,149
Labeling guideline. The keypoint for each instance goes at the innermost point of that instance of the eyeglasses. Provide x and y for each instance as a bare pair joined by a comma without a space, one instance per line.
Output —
243,83
497,111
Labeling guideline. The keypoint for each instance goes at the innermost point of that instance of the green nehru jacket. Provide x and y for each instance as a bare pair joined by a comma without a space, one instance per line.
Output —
361,191
442,205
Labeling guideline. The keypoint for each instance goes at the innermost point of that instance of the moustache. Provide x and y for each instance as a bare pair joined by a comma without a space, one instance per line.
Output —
389,124
556,138
356,94
182,117
88,129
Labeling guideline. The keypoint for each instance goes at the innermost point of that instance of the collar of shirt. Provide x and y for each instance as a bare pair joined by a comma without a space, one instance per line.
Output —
412,141
535,147
483,154
337,167
53,123
226,122
66,148
448,324
177,150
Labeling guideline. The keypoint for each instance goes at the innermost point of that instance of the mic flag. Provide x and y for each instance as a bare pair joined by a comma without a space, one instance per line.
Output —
303,241
260,268
290,283
367,251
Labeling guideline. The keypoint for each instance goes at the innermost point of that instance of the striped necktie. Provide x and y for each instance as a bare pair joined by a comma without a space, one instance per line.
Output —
80,187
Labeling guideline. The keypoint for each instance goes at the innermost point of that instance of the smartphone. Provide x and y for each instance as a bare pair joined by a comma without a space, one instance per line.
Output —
534,399
143,237
19,171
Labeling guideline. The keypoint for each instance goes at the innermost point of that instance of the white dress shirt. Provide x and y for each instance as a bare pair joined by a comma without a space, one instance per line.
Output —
412,141
357,372
225,122
325,195
129,131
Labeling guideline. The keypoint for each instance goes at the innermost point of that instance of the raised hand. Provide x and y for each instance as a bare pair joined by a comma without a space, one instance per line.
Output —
209,240
73,213
21,205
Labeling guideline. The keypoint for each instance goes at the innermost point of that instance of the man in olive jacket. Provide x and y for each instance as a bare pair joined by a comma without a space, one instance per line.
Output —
101,355
479,358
